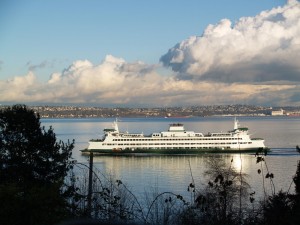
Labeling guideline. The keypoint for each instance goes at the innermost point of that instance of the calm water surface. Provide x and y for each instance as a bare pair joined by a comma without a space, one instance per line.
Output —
173,173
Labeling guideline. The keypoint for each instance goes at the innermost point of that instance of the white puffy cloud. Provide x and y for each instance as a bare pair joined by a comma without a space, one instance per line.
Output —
254,61
19,88
112,80
117,82
254,49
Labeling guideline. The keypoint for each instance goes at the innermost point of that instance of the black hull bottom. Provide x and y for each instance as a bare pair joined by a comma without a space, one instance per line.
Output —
173,151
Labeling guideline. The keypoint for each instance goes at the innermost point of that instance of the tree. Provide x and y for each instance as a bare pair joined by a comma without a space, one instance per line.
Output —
219,202
297,180
284,208
278,209
33,166
296,206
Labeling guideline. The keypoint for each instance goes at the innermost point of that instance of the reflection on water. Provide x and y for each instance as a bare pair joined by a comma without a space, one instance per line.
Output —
175,173
237,162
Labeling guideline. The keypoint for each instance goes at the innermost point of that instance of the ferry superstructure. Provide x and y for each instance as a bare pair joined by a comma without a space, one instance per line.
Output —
175,140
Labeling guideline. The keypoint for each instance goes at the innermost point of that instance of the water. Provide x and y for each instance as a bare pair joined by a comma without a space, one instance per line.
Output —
175,173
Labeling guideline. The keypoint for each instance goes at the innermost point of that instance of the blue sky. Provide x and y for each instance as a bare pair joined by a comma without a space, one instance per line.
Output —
40,40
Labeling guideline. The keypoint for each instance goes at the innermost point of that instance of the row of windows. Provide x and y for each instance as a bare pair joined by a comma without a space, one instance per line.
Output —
224,135
185,139
204,147
137,144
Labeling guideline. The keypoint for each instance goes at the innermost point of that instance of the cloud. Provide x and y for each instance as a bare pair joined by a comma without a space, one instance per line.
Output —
20,88
41,65
254,61
254,49
112,80
117,82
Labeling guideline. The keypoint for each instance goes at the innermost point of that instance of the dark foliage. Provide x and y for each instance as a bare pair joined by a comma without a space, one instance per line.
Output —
32,169
284,208
278,209
297,180
219,202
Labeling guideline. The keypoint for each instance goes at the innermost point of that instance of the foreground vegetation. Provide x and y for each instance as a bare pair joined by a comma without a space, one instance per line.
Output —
41,184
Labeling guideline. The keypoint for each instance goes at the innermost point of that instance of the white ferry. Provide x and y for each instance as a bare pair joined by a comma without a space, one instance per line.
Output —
176,141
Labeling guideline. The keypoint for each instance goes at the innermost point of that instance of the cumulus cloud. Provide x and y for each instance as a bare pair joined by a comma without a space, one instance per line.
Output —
112,81
254,61
117,82
19,88
262,48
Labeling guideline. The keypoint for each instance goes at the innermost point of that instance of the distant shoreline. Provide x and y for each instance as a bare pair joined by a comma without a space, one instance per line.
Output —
162,112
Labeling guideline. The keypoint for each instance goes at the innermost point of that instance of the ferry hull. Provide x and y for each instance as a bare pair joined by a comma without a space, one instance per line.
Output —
172,151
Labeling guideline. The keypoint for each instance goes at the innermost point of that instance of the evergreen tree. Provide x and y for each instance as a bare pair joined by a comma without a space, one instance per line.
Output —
33,166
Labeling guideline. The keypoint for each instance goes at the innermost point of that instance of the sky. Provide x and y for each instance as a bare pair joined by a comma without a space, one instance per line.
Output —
150,53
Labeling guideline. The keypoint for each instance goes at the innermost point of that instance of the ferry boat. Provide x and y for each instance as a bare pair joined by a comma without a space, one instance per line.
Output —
176,140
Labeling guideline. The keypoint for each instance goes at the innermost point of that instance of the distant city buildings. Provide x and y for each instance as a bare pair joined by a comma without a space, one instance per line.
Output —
277,112
191,111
